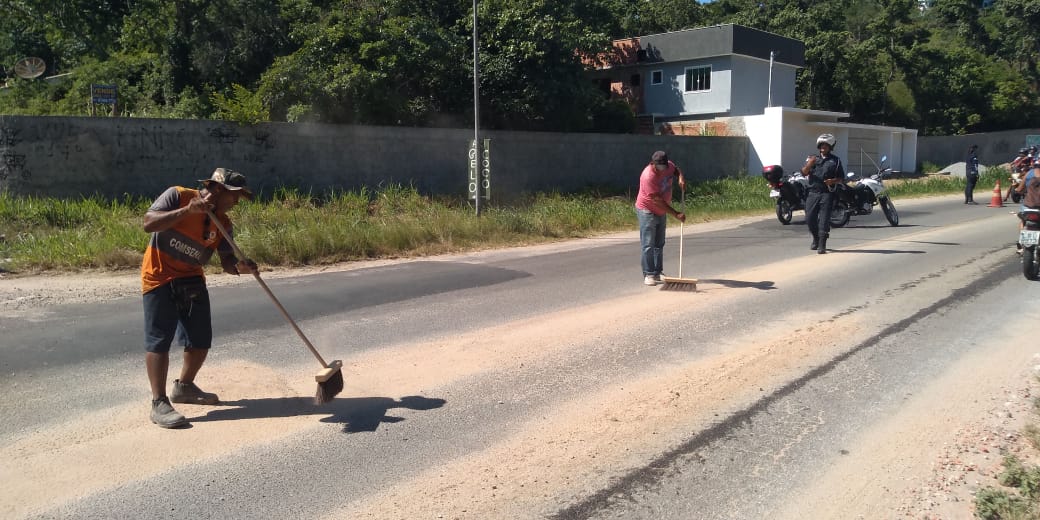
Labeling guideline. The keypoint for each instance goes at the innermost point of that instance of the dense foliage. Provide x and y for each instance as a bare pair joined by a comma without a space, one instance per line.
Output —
952,67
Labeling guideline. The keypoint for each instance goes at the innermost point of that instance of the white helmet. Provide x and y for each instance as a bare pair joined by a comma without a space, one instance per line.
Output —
826,138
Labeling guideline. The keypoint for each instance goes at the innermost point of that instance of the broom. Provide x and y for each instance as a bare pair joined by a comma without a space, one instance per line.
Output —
679,283
330,379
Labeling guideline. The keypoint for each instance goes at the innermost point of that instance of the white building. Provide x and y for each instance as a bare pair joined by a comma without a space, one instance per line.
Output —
735,80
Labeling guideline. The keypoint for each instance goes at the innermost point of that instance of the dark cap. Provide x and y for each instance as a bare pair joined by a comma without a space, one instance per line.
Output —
659,157
230,179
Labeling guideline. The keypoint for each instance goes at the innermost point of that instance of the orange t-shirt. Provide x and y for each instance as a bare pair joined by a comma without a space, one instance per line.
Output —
183,249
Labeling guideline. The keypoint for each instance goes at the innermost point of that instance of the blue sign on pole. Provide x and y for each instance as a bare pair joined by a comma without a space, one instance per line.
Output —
103,94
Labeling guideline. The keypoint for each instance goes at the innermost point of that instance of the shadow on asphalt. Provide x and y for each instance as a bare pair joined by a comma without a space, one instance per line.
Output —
356,414
877,251
767,285
879,226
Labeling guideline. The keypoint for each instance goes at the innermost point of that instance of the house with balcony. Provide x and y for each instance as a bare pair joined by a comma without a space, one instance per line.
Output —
735,80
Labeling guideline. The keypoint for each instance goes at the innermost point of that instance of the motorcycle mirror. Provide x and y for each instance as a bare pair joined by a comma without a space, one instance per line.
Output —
884,158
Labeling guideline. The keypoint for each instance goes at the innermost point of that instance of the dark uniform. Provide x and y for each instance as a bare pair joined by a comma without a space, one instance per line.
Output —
971,175
821,198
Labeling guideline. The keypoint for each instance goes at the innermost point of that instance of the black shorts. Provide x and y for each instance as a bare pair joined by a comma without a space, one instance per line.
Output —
168,316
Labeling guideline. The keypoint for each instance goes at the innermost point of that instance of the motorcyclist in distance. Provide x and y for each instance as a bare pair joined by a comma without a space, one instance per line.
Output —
1030,187
1021,163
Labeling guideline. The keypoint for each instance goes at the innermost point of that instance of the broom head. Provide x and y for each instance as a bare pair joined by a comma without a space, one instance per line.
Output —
670,283
330,382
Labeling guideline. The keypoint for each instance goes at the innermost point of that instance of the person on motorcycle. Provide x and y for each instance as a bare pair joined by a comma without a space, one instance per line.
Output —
1021,163
971,174
1030,186
825,172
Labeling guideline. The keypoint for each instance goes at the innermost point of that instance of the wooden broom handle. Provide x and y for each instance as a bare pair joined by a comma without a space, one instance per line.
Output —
242,257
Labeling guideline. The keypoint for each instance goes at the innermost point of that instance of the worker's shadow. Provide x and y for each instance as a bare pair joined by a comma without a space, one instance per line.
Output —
356,414
765,285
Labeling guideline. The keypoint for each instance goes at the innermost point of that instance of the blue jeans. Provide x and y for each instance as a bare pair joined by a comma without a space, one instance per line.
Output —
651,236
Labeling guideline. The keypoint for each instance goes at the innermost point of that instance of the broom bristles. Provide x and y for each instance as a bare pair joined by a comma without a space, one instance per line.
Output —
330,382
328,389
679,284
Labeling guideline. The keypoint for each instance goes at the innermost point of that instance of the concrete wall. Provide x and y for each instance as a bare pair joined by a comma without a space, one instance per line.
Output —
994,147
73,156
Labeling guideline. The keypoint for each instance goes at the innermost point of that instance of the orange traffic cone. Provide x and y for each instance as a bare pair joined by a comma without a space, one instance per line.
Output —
996,201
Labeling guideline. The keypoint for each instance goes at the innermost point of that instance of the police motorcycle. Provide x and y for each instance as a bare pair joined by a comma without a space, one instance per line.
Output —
789,191
1028,238
860,199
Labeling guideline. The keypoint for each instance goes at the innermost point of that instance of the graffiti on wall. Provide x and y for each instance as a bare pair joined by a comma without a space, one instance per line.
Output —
12,165
224,134
9,136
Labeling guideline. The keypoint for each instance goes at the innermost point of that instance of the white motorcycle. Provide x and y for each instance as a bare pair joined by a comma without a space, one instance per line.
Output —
861,198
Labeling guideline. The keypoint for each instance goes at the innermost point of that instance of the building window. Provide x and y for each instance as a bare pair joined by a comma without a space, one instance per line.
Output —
634,80
698,79
656,77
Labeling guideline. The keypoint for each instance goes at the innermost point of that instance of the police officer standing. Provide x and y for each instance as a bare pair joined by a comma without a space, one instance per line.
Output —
825,172
971,174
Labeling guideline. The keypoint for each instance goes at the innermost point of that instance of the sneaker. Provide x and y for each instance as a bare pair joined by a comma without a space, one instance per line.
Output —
191,394
164,415
649,280
657,279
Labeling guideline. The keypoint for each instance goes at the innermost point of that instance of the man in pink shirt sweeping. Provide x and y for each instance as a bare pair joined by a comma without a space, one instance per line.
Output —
653,205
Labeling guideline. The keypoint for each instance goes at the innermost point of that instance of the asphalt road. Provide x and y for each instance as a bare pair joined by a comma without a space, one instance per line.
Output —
476,384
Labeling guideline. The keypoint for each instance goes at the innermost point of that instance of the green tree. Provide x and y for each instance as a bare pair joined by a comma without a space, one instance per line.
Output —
638,17
394,62
532,77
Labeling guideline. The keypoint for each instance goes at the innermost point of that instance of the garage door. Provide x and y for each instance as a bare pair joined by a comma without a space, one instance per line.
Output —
862,153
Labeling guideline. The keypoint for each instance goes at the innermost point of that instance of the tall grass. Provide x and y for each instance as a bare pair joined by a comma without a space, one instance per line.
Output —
293,228
935,184
47,234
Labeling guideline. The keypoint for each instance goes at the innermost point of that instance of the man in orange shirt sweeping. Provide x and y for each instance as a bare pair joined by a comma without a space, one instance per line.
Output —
173,283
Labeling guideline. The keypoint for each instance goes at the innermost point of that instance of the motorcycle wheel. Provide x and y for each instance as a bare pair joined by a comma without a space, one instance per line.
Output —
784,211
1030,263
840,215
1016,197
890,211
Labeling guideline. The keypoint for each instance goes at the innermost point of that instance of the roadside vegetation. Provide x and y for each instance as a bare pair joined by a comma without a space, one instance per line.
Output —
294,228
1017,495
